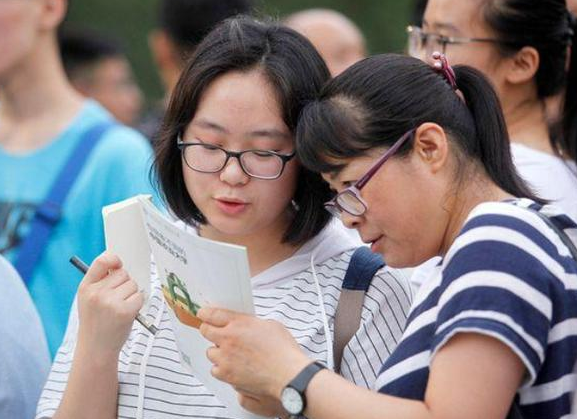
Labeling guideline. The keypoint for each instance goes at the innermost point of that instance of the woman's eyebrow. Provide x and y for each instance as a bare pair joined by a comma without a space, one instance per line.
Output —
205,123
271,133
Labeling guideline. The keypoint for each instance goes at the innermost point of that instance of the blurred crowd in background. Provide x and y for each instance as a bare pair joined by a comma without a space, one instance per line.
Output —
105,89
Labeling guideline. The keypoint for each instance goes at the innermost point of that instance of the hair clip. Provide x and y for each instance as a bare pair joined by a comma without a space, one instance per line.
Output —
442,66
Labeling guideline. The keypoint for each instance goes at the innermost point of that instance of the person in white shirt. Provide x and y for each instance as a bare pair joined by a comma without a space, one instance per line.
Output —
226,165
526,69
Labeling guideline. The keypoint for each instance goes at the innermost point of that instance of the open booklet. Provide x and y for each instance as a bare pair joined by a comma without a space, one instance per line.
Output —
194,272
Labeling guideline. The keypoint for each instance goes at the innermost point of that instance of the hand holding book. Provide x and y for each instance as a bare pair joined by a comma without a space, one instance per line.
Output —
108,302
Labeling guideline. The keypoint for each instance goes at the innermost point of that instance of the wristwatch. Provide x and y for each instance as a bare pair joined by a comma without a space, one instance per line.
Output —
293,397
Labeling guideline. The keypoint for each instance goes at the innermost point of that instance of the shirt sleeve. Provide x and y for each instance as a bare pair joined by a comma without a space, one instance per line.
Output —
58,378
496,282
384,314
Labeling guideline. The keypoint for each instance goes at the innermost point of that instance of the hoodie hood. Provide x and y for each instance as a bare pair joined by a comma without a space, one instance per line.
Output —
333,240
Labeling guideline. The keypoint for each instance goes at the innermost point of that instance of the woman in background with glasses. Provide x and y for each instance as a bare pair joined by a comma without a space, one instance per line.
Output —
227,167
422,167
523,47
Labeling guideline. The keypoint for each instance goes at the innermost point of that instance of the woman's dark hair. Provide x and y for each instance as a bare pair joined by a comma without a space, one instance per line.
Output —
295,70
376,101
549,27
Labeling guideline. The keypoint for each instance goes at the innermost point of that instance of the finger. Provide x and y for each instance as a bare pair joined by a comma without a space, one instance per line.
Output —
101,266
134,303
216,316
114,279
213,354
126,289
210,333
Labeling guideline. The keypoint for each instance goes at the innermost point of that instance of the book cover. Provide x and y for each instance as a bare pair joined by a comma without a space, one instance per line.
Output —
194,272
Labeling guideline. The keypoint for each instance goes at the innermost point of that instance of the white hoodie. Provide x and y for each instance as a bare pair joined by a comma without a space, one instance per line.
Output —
301,292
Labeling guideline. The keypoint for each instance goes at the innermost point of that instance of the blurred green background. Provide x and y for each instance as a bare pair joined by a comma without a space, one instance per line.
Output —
383,23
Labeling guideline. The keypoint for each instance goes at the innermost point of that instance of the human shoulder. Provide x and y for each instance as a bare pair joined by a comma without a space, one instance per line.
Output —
516,223
119,143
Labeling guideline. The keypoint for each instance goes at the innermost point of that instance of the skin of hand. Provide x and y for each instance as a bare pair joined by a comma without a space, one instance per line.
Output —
259,357
263,406
108,302
268,364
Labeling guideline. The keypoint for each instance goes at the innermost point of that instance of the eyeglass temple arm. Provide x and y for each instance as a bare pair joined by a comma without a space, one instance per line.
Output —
361,182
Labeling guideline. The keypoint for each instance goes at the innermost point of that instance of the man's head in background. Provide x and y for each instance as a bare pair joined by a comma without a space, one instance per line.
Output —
28,38
97,67
181,26
338,40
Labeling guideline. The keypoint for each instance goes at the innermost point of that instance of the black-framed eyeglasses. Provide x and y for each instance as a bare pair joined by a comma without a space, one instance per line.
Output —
350,200
209,158
420,40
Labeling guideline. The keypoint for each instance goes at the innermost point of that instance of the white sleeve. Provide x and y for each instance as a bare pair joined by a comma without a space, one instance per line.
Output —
58,378
385,311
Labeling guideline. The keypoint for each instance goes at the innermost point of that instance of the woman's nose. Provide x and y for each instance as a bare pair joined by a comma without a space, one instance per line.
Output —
233,174
350,221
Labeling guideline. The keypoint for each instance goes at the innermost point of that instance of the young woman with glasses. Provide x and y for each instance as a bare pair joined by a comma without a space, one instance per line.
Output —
421,163
523,47
226,165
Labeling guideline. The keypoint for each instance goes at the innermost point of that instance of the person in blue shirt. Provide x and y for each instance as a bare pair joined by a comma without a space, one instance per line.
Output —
42,118
419,158
24,358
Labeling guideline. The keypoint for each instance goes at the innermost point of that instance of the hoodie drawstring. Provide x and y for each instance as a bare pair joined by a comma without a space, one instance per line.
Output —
325,319
144,362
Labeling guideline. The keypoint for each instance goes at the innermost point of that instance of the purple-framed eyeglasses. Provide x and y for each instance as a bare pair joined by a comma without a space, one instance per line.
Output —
350,200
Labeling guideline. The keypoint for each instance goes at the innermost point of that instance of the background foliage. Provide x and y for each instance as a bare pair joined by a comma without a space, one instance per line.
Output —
382,21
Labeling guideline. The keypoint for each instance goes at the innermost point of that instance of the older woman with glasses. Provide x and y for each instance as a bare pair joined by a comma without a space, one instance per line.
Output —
524,48
227,167
421,163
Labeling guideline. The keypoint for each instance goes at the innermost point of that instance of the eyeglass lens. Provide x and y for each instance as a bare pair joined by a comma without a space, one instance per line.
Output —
204,158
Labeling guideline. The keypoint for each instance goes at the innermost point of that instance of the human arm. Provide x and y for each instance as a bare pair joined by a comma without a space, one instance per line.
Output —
260,357
108,301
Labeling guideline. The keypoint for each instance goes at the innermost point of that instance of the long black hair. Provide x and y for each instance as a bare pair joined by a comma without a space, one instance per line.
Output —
295,70
377,100
549,27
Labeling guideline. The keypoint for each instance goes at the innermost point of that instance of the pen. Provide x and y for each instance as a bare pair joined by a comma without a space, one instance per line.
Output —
83,267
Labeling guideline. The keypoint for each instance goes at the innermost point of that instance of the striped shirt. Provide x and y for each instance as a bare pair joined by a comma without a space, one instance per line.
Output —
508,276
153,383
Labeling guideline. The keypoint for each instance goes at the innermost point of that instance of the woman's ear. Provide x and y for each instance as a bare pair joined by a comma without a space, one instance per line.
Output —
523,66
431,146
53,13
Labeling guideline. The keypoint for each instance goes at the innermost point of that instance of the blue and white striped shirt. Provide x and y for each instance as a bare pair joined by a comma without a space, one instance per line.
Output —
508,276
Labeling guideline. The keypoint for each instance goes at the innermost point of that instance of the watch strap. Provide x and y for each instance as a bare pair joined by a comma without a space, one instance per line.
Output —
303,378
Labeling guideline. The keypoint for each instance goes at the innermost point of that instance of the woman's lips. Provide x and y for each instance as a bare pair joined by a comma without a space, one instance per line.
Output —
231,206
375,244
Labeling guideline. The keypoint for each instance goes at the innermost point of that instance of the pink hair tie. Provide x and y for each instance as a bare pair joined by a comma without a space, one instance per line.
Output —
441,64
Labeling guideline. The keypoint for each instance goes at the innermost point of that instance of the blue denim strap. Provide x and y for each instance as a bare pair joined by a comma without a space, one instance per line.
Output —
362,267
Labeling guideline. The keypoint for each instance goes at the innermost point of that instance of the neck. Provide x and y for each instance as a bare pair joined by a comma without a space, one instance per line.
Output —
527,124
480,189
37,99
264,247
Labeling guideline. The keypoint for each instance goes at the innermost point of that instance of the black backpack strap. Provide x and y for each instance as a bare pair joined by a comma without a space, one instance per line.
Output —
363,266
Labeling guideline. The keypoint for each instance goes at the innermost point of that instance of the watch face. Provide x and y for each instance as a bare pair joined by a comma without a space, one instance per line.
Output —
292,401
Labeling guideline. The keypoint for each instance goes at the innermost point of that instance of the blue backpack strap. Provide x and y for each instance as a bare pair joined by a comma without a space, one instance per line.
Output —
49,212
363,266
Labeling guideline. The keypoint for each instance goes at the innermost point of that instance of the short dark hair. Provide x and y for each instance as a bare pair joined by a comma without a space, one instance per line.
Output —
188,21
295,70
418,11
553,30
379,99
82,49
